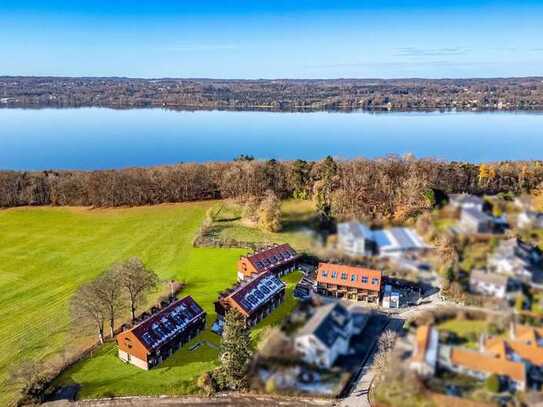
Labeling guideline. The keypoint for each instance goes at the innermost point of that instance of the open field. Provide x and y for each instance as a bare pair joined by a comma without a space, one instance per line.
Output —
105,375
297,218
47,253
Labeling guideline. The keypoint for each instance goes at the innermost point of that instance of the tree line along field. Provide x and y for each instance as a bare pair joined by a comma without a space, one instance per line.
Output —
46,253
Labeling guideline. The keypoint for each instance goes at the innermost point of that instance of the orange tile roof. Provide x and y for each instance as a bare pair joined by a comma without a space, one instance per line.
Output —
527,333
326,270
421,342
501,347
481,362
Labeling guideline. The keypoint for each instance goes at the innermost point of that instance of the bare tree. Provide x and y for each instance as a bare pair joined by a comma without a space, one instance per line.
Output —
110,294
29,379
136,280
87,307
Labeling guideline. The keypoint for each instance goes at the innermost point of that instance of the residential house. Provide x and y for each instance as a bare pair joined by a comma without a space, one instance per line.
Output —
279,259
151,341
425,354
325,336
481,365
254,298
530,219
466,201
356,239
492,284
474,221
515,258
353,283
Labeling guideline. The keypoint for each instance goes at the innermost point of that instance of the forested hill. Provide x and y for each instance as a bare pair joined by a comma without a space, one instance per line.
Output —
389,189
276,95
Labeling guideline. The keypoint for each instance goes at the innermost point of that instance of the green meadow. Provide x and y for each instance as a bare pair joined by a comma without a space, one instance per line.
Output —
47,253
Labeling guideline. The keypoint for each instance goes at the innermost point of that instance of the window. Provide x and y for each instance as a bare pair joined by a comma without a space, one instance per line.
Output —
324,273
344,276
334,274
364,279
375,281
353,277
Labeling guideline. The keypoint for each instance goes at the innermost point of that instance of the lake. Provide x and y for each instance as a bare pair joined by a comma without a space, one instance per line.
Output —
95,138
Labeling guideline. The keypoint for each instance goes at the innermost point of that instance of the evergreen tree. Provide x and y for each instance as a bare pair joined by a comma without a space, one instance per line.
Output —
236,352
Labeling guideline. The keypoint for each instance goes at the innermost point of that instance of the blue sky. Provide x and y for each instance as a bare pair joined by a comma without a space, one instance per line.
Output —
275,39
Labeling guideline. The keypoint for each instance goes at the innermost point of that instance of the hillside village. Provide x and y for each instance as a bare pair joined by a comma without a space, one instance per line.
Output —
448,307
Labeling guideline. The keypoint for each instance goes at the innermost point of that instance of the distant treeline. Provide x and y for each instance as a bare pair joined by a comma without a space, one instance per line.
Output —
276,95
391,188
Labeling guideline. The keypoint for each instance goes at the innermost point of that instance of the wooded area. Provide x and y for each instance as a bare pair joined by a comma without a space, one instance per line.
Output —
391,188
276,95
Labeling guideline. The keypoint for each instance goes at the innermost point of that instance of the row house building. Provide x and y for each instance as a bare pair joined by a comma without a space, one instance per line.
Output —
279,259
254,298
155,338
349,282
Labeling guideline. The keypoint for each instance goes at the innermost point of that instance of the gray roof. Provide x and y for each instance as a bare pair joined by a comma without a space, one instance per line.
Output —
488,277
476,215
328,323
466,199
355,229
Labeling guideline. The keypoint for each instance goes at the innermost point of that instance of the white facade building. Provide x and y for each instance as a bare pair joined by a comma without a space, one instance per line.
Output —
325,336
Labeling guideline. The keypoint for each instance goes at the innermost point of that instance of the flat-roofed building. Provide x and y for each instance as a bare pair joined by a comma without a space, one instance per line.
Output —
397,241
349,282
151,341
279,259
254,298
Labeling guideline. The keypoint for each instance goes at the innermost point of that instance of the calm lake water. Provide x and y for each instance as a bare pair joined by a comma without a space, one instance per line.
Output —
92,138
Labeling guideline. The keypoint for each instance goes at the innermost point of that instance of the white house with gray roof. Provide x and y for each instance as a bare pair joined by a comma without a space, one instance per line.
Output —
325,336
356,239
466,201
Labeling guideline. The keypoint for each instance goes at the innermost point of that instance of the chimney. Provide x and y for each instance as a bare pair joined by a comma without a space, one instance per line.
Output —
482,340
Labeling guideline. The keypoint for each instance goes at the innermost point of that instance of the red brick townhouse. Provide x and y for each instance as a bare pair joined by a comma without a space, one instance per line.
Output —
157,337
254,298
280,259
353,283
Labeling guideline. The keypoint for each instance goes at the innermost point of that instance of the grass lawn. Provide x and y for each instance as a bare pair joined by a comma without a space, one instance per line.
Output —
470,330
105,375
297,217
47,253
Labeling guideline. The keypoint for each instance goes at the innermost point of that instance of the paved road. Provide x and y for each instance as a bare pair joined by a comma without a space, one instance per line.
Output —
230,400
359,397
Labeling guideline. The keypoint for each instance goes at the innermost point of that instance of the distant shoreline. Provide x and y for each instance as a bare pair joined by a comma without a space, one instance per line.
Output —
284,95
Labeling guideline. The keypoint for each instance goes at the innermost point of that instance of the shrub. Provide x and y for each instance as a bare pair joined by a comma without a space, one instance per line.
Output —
492,383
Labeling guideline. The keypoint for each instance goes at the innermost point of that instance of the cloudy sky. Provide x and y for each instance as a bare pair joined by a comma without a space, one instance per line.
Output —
272,39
